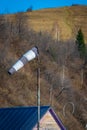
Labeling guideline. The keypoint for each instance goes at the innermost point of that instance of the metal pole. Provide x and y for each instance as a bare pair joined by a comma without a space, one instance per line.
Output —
38,94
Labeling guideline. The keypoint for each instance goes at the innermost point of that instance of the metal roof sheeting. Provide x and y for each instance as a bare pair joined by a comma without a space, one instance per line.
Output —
20,118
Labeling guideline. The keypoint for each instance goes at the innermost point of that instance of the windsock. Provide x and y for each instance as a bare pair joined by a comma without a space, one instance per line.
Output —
28,56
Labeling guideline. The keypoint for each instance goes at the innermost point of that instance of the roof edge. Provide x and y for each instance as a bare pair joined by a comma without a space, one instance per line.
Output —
56,118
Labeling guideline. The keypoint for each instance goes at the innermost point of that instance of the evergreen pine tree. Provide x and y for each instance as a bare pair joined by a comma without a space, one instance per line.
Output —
80,43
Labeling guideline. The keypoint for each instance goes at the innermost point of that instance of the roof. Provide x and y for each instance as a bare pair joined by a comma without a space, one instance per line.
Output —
24,118
20,118
56,118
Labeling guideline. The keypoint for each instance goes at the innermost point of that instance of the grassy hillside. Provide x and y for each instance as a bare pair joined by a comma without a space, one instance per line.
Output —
63,76
65,21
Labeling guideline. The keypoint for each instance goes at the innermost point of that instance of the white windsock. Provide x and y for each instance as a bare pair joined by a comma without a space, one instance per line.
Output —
28,56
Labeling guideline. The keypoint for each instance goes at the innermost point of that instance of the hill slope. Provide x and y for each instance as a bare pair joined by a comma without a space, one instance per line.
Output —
63,77
64,22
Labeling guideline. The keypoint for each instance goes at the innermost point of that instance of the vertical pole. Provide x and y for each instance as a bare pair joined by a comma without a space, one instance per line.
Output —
38,94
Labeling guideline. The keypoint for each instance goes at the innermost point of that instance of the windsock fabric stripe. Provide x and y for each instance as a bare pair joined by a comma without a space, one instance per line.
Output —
19,64
30,55
24,60
11,71
35,50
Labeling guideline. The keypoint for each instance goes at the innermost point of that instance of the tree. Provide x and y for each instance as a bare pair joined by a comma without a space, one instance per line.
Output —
29,9
82,50
80,43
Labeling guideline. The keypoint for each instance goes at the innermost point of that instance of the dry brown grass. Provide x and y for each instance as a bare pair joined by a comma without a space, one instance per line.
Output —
69,19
